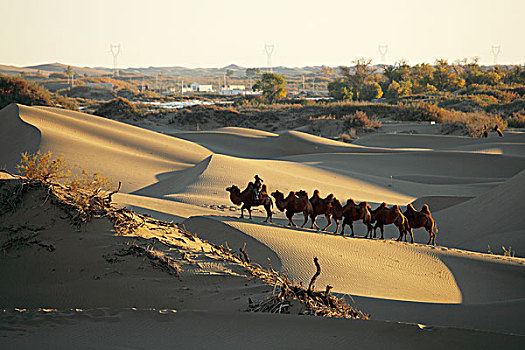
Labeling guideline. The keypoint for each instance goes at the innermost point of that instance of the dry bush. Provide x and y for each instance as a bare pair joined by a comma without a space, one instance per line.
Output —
471,123
361,120
85,196
516,121
83,189
40,167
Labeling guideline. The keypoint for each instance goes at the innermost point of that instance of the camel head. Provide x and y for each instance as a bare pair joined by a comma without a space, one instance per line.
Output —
279,200
425,209
302,193
368,217
337,208
278,195
410,208
232,189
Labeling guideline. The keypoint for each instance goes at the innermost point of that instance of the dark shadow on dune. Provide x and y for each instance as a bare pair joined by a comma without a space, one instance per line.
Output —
175,181
504,317
16,137
211,228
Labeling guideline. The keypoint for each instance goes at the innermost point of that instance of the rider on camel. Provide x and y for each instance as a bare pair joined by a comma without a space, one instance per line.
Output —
257,187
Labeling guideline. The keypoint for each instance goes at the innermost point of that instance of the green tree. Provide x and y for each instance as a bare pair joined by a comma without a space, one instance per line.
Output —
445,78
340,89
252,72
272,85
370,91
394,90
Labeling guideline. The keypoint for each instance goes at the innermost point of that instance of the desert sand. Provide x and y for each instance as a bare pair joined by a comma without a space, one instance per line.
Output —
461,293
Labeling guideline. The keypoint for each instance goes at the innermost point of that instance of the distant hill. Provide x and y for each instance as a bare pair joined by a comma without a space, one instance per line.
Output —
174,70
60,67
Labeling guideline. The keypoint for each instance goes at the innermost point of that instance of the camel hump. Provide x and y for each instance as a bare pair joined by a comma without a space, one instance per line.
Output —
410,207
395,207
425,209
330,197
350,201
316,193
383,205
264,190
363,204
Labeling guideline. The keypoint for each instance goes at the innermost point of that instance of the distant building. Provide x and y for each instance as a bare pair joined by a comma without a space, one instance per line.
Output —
201,88
236,87
233,90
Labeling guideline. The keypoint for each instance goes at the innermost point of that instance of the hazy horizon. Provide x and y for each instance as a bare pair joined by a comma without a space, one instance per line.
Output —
212,34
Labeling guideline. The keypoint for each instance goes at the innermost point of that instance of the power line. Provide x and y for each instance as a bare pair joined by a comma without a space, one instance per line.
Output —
115,51
496,50
383,49
269,52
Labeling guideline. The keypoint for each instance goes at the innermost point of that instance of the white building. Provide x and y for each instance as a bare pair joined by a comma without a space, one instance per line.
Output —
233,90
201,88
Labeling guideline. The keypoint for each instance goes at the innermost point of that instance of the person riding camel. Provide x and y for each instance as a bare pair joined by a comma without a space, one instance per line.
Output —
257,187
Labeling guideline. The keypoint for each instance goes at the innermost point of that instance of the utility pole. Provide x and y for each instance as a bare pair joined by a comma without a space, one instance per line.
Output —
383,49
496,50
269,52
115,51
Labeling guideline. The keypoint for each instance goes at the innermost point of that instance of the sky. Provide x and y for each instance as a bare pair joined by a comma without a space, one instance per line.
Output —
213,33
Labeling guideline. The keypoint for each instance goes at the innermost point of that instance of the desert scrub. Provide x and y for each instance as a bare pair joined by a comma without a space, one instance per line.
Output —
40,167
360,119
472,124
84,196
516,121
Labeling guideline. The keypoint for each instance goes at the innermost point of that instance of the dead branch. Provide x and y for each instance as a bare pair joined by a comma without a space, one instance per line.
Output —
317,273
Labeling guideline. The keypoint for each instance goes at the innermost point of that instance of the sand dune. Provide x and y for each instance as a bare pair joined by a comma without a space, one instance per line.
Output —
237,143
493,218
437,142
206,182
474,187
134,155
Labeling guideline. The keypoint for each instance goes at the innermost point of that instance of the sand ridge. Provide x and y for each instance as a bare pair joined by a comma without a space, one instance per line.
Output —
183,176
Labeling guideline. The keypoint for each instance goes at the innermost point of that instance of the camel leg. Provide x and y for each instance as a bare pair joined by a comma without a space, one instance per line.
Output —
305,219
400,234
249,212
313,217
242,211
329,220
352,228
268,213
343,226
382,230
337,225
411,234
289,215
430,235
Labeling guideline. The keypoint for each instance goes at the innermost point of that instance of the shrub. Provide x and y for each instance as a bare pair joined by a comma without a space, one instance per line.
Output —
361,120
516,121
40,167
17,90
83,189
119,107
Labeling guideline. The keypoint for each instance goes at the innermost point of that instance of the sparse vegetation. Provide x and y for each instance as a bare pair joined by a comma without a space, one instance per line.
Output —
41,167
119,108
17,90
361,120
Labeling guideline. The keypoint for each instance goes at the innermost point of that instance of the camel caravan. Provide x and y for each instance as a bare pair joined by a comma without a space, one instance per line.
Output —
256,194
